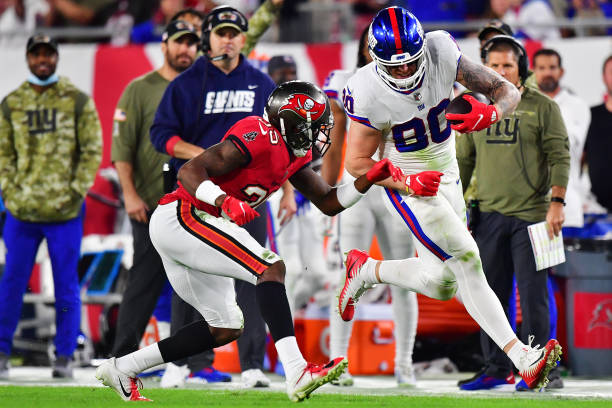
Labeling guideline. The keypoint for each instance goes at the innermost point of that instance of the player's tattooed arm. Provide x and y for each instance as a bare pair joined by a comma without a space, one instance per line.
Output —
217,160
478,78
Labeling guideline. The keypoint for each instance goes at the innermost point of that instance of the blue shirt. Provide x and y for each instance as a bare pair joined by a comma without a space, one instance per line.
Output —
203,103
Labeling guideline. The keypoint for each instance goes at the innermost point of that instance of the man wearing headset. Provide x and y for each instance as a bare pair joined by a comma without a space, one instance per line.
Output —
517,162
197,109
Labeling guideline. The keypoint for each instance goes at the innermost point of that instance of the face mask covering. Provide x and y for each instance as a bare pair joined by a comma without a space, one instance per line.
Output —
33,79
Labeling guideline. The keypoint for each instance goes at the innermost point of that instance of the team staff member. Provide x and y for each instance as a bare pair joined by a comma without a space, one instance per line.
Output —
50,150
197,108
517,161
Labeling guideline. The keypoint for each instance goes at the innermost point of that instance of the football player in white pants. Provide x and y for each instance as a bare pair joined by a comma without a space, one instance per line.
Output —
399,101
357,227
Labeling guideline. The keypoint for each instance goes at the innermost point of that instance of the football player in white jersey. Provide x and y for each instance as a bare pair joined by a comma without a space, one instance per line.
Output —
398,102
357,226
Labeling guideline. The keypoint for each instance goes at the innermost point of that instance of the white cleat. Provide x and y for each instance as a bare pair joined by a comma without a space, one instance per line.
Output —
174,376
313,376
127,387
254,378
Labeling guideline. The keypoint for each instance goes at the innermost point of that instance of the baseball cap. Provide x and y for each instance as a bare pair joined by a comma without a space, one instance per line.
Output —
38,39
280,61
178,28
497,26
225,16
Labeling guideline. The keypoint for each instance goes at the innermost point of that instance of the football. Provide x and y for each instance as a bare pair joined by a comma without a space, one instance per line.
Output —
460,105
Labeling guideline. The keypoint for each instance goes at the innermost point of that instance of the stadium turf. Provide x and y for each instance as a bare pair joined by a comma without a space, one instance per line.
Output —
93,397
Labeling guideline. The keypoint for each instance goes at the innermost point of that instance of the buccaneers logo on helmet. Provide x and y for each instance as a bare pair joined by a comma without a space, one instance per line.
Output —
302,105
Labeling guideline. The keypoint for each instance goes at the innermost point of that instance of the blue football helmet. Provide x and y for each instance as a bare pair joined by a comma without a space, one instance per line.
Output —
397,38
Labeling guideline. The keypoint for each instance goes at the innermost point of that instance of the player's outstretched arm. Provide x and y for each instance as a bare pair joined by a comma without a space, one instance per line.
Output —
330,200
478,78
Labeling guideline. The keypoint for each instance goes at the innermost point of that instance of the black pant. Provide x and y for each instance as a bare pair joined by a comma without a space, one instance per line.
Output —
146,280
506,252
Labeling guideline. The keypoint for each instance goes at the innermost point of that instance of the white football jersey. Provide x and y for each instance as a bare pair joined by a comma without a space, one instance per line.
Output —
335,83
414,128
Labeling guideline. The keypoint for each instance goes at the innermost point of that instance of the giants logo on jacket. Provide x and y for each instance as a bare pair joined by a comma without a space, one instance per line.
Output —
229,101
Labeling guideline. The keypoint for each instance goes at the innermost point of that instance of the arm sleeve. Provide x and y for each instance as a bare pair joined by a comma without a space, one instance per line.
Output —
90,148
127,122
259,22
555,144
168,122
466,158
8,156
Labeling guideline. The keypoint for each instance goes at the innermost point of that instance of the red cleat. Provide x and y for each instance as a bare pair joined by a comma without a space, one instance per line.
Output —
537,363
313,376
354,285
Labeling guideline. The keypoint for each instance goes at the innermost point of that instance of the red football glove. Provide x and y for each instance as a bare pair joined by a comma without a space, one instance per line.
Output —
383,169
425,183
237,210
480,117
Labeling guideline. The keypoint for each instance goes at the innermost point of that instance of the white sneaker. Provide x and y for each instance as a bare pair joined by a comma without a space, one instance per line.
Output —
405,377
174,376
254,378
127,387
313,376
345,380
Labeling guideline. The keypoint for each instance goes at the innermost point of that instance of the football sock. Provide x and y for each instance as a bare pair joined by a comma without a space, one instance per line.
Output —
187,341
134,363
405,316
274,308
290,356
516,352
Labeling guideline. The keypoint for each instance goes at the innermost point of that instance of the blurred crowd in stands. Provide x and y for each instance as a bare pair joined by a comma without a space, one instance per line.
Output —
128,19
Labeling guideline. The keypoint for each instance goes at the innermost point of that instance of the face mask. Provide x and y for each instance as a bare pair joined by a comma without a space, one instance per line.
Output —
33,79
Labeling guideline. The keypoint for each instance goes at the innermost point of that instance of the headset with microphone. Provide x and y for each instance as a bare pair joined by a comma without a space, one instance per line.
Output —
523,62
225,15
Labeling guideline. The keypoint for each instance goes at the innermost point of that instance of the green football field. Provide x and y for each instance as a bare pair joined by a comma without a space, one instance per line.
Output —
93,397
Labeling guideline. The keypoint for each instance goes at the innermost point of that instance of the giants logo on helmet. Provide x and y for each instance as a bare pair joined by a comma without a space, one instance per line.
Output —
302,105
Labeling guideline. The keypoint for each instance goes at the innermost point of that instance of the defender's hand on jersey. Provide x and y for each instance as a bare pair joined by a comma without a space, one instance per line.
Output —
425,183
480,117
383,169
237,210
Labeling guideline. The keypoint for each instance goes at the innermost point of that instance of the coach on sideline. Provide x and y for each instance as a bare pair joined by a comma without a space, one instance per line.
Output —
50,151
517,162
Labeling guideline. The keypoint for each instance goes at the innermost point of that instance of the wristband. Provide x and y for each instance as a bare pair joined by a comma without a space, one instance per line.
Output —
208,192
557,200
348,195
